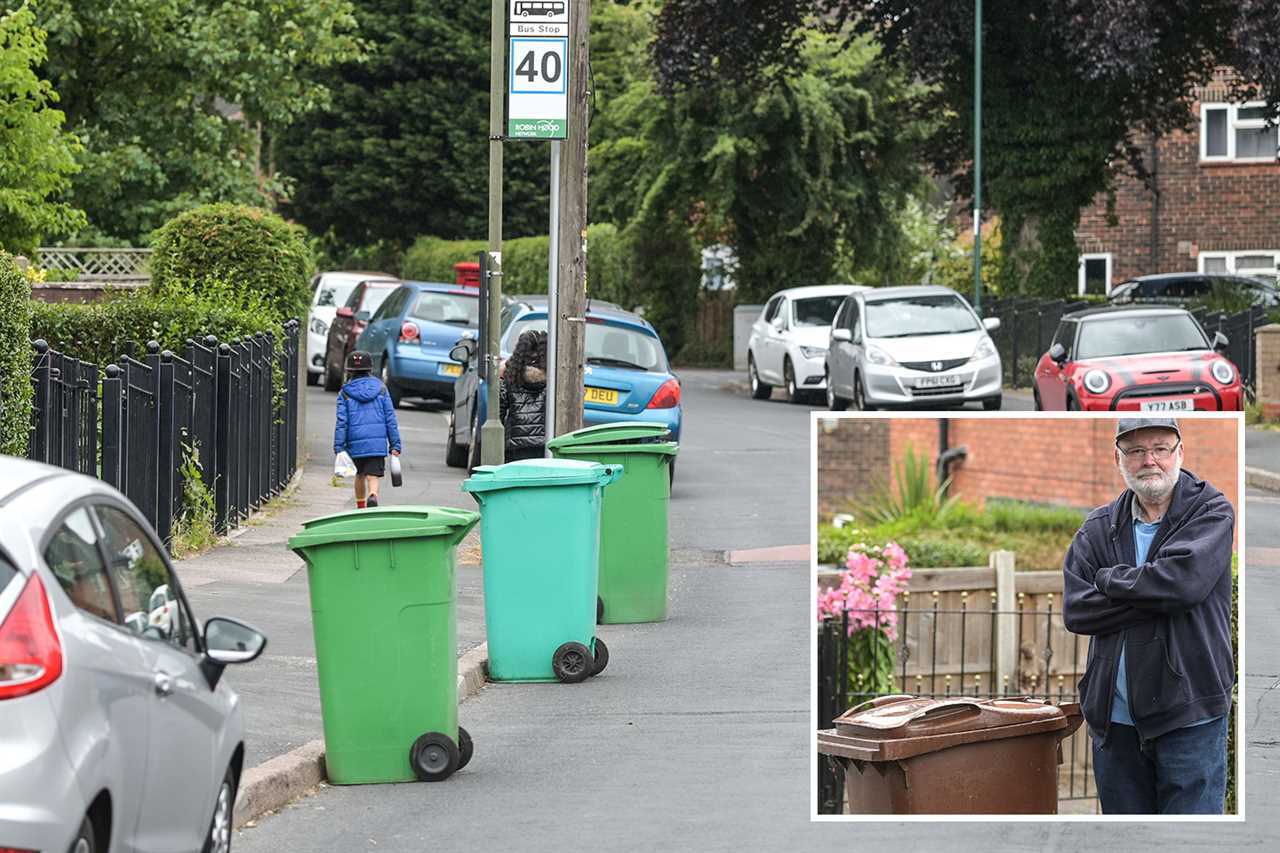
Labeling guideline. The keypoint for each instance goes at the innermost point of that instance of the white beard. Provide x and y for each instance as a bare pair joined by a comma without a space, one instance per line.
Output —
1152,489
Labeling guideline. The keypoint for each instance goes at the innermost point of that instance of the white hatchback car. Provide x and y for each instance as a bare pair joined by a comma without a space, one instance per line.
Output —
788,344
329,290
116,730
912,347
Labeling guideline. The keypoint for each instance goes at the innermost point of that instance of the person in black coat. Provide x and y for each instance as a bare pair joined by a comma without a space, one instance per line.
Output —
522,398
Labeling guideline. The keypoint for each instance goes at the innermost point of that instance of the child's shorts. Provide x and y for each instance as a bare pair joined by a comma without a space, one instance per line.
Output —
370,466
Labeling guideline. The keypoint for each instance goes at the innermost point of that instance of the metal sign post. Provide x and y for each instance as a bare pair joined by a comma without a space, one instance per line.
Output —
553,295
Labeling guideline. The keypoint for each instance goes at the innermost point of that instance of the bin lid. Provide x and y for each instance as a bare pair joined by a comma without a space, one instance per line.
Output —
617,433
889,728
540,472
384,522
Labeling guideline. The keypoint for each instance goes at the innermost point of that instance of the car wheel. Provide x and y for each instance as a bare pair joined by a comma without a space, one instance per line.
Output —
386,380
860,395
759,390
835,402
86,839
1035,400
992,404
473,451
218,839
455,455
789,379
1072,404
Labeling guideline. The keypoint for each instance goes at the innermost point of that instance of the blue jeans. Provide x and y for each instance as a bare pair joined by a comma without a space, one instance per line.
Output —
1181,772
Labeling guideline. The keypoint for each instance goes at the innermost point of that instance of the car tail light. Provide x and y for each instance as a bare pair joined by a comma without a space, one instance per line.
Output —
30,653
666,397
17,850
408,333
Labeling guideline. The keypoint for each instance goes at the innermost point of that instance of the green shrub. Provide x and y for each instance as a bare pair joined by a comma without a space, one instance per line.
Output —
914,494
253,249
1010,516
15,357
524,265
432,259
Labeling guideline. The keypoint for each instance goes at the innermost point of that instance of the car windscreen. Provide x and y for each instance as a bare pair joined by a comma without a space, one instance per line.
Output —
607,345
939,314
375,296
335,294
1134,335
816,310
456,307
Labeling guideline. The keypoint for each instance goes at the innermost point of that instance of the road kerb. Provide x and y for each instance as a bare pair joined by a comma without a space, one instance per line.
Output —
278,781
1262,479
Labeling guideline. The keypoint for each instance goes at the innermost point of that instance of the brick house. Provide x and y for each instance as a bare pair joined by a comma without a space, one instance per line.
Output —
1213,208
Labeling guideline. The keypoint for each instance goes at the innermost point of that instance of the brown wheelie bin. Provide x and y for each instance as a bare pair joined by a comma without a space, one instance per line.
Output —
912,755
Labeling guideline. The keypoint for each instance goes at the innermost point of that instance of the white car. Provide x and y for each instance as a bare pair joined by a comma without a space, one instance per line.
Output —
788,344
328,291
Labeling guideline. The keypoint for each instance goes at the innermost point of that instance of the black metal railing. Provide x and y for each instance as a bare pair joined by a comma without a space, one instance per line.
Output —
133,423
1029,671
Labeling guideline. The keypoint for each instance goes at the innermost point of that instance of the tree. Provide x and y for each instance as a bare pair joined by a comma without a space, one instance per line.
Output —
177,101
37,157
401,150
1071,90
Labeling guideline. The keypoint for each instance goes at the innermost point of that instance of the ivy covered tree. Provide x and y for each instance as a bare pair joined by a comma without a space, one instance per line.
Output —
1072,89
37,157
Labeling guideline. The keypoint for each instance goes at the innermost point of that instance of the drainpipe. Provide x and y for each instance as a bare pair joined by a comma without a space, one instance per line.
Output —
946,453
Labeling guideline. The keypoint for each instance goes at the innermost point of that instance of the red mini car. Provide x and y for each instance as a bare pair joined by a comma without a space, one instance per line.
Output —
1136,359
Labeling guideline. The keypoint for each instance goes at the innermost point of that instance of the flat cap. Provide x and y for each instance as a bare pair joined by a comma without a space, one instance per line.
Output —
1124,426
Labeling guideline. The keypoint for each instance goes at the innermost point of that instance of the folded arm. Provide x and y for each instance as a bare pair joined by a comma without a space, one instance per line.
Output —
1085,610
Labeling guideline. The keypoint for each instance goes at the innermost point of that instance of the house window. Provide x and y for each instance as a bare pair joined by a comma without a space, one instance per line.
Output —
1258,264
1095,274
1237,132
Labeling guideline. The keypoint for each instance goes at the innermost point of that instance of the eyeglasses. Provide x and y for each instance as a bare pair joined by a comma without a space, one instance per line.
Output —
1160,452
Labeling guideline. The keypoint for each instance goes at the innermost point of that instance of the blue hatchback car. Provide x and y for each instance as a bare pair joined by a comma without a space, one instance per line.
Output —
626,376
411,334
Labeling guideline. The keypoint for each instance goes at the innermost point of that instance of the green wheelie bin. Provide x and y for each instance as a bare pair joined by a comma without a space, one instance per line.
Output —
384,612
540,540
633,520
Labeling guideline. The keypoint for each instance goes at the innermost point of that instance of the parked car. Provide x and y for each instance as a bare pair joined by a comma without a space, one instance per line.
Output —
328,291
348,323
788,343
411,333
1188,288
909,347
119,732
626,376
1136,359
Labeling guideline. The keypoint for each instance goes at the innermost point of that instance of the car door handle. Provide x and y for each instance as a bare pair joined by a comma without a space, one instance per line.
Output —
163,684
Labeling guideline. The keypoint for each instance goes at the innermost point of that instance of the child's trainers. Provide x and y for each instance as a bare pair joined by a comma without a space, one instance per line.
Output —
371,501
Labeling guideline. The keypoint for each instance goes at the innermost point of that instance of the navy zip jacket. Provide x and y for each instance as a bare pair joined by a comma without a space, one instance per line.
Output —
366,419
1173,613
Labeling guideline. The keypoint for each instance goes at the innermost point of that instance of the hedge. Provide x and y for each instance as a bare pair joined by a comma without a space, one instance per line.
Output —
254,249
15,358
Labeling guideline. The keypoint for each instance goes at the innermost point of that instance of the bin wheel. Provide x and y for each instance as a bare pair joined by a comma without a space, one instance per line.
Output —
434,757
599,610
572,663
465,747
601,657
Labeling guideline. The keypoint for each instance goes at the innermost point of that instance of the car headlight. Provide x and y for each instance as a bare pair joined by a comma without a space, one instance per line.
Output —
813,352
1223,372
875,355
1097,381
318,326
985,348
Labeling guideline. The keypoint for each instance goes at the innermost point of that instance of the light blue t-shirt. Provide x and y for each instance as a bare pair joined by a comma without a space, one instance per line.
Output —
1143,534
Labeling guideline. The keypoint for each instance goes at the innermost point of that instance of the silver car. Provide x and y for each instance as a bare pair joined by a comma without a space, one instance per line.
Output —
116,732
911,347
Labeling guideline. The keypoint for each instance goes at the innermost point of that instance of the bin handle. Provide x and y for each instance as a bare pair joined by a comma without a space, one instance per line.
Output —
878,701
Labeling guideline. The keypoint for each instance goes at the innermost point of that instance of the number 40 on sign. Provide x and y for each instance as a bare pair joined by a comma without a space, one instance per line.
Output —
537,64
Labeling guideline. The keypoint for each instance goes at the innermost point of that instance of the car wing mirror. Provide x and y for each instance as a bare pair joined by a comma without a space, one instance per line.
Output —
362,316
344,311
461,351
1220,341
843,335
991,323
1058,353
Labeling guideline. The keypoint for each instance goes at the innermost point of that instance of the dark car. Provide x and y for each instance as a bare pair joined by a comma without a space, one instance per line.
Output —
1149,359
1187,288
350,320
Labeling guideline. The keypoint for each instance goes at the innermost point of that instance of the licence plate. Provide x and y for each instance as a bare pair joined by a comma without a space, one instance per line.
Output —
450,369
607,396
1181,404
936,381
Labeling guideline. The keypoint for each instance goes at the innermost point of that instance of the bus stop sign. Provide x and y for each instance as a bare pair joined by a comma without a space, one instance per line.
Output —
538,69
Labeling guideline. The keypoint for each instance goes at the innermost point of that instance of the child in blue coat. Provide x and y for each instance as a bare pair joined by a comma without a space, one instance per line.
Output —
366,426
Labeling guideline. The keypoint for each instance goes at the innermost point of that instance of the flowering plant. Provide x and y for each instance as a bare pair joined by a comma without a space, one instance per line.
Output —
868,593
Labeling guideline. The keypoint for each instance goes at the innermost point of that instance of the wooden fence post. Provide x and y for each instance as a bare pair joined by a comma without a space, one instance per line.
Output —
1006,638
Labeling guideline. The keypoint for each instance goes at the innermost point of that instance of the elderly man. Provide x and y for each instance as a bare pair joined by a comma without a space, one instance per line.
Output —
1148,578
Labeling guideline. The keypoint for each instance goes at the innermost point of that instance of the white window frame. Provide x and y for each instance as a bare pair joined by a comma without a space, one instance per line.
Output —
1203,257
1233,124
1094,256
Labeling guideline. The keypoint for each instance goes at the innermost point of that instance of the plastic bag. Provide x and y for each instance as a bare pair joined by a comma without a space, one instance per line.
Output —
343,466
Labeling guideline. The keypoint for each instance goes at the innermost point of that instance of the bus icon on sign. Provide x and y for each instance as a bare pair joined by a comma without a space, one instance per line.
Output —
545,8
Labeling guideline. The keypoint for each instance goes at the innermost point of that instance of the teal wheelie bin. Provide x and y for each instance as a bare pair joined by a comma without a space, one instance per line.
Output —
540,543
633,516
384,612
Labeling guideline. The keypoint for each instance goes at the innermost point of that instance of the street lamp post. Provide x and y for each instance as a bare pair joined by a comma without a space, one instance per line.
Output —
977,157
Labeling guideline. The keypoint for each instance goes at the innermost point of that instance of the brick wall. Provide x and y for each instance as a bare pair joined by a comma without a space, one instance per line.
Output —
852,458
1203,207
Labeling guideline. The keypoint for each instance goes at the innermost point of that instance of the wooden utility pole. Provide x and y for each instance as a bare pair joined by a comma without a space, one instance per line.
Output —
492,437
570,323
